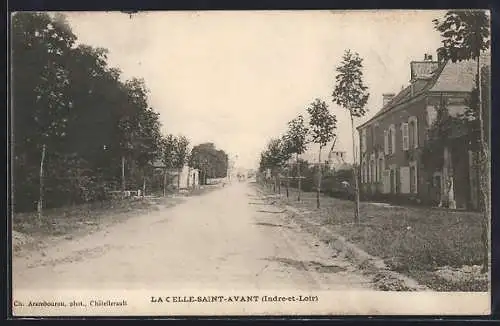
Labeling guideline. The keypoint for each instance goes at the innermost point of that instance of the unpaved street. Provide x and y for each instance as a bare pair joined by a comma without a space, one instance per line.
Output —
226,239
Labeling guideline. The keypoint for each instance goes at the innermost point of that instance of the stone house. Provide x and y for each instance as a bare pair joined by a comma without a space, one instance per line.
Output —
392,141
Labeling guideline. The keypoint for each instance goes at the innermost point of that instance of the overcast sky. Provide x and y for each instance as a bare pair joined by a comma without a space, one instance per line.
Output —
236,78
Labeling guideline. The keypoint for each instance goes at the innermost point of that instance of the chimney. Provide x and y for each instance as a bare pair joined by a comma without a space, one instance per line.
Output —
386,98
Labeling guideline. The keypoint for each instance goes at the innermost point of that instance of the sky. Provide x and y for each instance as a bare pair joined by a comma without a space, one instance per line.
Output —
237,78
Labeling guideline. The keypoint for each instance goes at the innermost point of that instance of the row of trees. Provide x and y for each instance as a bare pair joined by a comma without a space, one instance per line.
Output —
465,35
349,93
79,129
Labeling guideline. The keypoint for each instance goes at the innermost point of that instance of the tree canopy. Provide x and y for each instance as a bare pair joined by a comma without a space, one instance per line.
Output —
66,98
209,160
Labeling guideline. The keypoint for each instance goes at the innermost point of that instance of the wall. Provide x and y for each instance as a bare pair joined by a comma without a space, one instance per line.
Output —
375,143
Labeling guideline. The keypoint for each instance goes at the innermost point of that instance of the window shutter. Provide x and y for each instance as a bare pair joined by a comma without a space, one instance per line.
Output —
363,140
416,178
393,139
386,143
405,134
415,133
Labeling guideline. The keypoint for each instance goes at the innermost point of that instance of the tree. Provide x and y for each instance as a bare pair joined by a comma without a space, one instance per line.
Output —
209,160
286,153
351,93
41,48
322,126
74,120
274,160
465,34
181,155
297,142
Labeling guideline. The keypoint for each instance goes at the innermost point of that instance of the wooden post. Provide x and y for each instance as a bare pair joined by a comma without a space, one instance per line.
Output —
165,182
123,176
299,183
287,180
40,199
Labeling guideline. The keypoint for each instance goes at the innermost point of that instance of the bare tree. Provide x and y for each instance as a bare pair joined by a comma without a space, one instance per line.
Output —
351,93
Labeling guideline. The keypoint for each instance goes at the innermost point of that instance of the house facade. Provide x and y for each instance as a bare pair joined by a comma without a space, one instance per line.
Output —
393,140
186,178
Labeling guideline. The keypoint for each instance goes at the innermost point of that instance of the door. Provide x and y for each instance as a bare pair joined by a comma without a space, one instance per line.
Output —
393,181
437,188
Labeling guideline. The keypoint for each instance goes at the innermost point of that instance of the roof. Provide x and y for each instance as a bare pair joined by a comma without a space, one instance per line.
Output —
448,77
458,77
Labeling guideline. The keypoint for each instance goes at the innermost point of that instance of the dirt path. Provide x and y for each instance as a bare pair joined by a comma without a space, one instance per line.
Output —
225,239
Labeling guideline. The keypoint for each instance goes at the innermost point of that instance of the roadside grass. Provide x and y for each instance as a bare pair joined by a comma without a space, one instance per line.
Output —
67,222
415,241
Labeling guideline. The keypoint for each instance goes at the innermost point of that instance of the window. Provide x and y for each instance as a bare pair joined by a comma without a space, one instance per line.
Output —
367,175
381,168
413,132
404,134
386,142
363,172
413,178
368,180
363,140
373,175
391,140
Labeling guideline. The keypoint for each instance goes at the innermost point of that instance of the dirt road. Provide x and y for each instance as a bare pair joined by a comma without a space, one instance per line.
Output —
226,239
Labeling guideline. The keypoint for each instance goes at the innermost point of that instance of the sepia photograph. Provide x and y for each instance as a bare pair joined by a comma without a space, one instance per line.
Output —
250,163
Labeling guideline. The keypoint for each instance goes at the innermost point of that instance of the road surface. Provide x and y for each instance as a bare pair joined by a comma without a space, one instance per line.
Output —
226,239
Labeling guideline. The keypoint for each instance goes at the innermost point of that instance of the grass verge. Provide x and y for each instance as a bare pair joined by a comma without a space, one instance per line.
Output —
71,221
422,243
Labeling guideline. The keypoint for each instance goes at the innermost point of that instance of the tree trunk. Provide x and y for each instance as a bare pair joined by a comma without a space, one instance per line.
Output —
486,203
144,186
275,182
123,176
40,199
356,187
299,182
165,183
318,190
485,182
279,184
287,181
179,179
